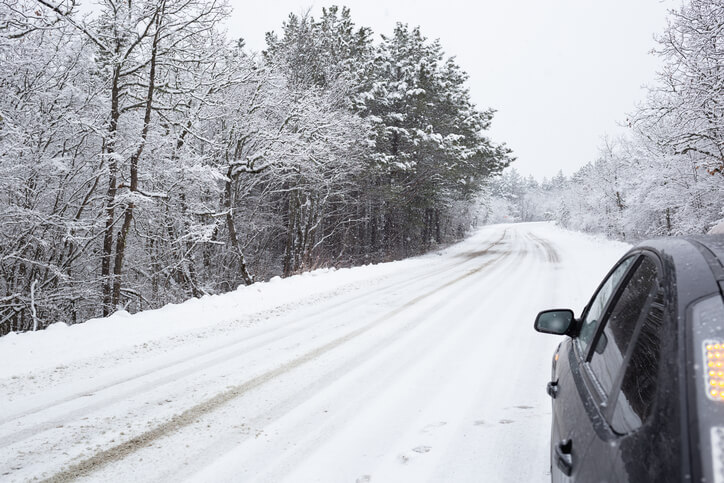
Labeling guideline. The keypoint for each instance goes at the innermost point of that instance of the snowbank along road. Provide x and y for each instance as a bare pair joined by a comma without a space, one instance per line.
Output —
426,369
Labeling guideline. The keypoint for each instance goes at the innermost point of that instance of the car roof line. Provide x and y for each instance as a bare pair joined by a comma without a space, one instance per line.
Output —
715,264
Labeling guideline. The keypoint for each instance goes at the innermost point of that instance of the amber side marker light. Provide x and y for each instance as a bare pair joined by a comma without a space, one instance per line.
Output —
714,362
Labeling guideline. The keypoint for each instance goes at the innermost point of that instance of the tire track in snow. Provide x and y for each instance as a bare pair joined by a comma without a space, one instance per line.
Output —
385,377
190,415
551,254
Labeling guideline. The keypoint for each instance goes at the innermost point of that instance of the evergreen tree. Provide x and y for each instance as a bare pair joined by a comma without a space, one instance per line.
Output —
429,143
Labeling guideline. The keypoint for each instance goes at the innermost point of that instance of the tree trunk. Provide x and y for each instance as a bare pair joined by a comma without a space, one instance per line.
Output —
228,202
438,233
288,264
128,214
110,153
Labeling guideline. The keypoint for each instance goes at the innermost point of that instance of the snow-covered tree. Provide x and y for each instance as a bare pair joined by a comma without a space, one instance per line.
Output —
665,177
146,159
430,148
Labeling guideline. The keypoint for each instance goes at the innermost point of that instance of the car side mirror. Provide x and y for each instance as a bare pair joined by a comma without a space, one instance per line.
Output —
556,321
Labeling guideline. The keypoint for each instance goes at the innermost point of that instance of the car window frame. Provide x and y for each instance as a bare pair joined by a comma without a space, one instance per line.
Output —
606,403
590,390
612,396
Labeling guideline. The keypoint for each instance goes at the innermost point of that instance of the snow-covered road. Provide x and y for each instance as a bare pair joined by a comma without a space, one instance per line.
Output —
422,370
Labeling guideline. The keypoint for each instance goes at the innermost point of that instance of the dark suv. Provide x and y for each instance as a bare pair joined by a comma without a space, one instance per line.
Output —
638,384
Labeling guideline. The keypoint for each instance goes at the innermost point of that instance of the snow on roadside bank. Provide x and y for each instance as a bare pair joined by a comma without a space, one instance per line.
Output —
61,344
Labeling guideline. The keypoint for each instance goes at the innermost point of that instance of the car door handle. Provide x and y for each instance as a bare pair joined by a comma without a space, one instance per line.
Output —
564,458
552,389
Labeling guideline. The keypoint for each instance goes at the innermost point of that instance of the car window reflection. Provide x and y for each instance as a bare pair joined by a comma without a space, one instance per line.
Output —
592,319
638,389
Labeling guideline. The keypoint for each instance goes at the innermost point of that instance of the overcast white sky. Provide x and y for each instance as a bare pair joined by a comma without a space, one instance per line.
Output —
560,73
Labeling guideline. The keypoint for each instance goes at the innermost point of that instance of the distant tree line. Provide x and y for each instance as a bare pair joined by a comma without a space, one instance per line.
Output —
146,159
666,177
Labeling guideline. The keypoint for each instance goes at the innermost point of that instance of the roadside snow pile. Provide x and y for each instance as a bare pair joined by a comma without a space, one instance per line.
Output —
717,229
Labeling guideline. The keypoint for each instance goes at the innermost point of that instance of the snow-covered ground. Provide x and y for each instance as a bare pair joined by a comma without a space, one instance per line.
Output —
426,369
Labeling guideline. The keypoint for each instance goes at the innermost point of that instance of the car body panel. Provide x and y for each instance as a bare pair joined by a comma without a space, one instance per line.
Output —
567,402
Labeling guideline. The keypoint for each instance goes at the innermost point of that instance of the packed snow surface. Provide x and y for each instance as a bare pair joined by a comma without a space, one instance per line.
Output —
427,369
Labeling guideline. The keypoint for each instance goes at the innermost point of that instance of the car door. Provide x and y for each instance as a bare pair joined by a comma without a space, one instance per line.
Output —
572,432
620,381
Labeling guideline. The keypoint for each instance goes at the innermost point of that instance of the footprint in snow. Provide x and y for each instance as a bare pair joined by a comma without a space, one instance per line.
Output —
430,426
405,458
479,422
506,421
364,479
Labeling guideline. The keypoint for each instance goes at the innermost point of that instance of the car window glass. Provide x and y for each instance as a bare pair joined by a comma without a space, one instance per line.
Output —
638,388
619,328
599,302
